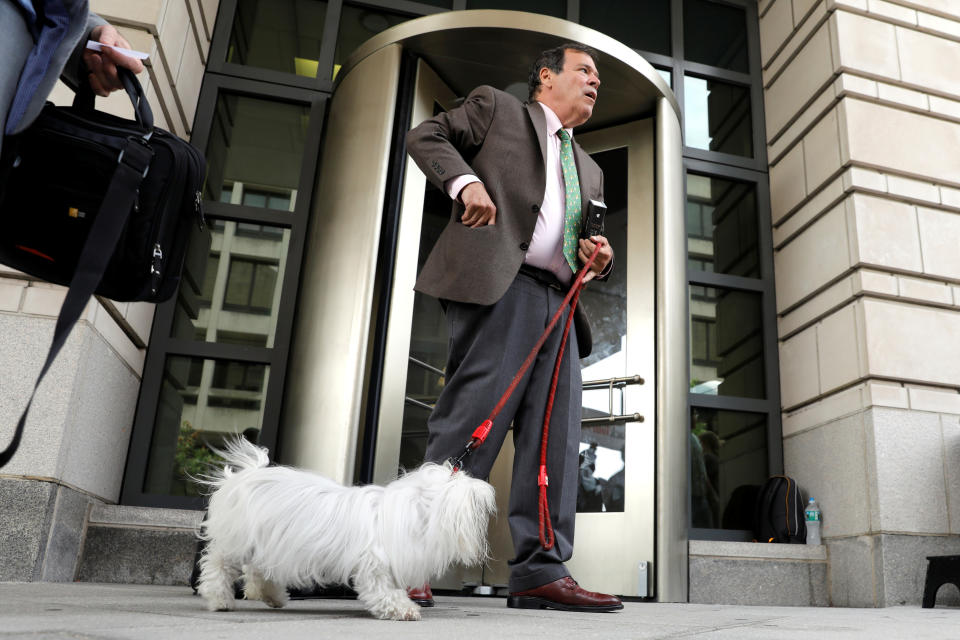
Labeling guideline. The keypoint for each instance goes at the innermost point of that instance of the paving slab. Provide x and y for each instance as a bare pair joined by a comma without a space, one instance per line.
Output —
85,611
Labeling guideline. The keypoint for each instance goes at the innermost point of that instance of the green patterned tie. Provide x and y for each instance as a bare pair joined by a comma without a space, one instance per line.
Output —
571,218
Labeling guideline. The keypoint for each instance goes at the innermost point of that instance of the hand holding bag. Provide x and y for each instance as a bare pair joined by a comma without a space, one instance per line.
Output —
99,203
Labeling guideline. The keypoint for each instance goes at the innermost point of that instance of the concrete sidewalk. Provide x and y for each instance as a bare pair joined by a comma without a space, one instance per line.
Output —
43,610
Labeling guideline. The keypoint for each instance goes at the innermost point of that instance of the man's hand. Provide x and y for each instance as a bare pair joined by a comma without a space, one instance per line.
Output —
103,64
480,208
602,260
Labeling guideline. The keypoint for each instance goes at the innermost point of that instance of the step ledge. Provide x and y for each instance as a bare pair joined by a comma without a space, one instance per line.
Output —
758,550
127,516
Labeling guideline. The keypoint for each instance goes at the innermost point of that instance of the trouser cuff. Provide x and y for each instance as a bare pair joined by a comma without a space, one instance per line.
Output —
538,578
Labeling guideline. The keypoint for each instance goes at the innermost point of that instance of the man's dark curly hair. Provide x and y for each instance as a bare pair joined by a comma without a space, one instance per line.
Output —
553,59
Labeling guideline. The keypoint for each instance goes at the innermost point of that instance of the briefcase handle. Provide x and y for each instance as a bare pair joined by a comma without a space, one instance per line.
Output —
84,98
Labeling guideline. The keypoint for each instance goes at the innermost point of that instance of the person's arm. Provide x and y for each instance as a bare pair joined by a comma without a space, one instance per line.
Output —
438,146
75,71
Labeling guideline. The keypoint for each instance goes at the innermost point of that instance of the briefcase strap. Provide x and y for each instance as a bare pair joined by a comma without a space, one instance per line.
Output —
133,163
84,99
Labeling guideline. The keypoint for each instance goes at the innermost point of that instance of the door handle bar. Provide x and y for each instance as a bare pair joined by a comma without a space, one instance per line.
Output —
610,384
633,417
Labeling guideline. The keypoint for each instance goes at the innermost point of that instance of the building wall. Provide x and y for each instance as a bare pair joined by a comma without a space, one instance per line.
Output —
75,442
862,105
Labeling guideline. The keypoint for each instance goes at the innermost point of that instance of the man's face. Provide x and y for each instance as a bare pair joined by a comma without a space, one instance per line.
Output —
572,92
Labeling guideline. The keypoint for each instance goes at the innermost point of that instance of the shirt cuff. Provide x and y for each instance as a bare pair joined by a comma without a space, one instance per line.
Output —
606,270
454,186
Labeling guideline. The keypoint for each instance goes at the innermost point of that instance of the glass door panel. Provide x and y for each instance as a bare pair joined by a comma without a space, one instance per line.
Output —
601,487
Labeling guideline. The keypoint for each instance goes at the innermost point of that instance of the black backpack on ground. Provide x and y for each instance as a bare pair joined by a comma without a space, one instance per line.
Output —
779,515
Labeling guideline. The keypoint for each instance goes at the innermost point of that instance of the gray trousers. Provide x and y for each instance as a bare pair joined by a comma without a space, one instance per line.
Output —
15,45
487,346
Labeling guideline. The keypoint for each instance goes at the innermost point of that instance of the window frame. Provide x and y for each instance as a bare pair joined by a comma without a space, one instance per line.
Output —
164,345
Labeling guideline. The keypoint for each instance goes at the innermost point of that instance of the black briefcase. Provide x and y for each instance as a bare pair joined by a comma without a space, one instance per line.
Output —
100,204
77,170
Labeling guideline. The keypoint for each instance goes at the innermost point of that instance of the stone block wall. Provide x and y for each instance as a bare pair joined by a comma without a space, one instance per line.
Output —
74,448
862,103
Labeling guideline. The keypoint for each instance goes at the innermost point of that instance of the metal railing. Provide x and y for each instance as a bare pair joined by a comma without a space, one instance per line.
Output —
607,383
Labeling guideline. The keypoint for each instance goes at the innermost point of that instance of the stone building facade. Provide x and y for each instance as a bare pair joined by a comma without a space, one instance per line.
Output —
862,101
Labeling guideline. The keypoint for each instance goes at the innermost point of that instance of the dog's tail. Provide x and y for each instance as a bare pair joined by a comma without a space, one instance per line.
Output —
238,454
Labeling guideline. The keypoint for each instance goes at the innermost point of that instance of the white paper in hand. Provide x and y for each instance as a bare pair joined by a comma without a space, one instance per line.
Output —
139,55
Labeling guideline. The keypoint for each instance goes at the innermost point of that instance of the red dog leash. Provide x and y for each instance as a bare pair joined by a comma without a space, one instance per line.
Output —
481,432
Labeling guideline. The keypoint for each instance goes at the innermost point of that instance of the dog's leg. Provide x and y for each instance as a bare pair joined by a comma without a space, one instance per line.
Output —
217,575
383,598
256,587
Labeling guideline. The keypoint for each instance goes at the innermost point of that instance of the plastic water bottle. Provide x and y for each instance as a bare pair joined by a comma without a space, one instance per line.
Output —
812,515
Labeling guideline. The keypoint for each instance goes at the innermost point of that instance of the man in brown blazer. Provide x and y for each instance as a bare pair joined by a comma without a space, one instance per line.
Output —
501,269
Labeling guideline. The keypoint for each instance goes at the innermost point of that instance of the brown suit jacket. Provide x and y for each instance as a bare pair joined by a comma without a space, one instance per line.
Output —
504,143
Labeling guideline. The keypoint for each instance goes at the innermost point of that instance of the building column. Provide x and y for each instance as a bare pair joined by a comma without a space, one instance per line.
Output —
863,125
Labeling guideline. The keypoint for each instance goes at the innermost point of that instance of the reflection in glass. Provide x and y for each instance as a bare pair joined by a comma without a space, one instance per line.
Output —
726,343
230,291
255,151
202,403
715,34
602,446
717,116
728,464
640,25
357,25
601,469
722,226
557,8
282,35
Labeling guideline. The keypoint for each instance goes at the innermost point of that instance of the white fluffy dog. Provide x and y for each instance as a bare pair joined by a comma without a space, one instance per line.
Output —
284,527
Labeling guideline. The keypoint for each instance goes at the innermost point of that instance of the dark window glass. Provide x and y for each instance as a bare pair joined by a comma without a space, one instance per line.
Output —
281,35
357,25
202,402
556,8
229,287
243,376
722,226
641,25
715,34
250,286
728,464
255,148
726,343
717,116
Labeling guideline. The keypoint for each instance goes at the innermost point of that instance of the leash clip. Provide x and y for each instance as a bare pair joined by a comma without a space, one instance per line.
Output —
480,433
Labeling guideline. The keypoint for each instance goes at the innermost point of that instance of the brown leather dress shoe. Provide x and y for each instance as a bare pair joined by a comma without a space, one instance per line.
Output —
563,594
422,596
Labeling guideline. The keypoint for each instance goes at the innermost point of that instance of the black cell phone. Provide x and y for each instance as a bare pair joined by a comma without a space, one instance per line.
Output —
593,221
